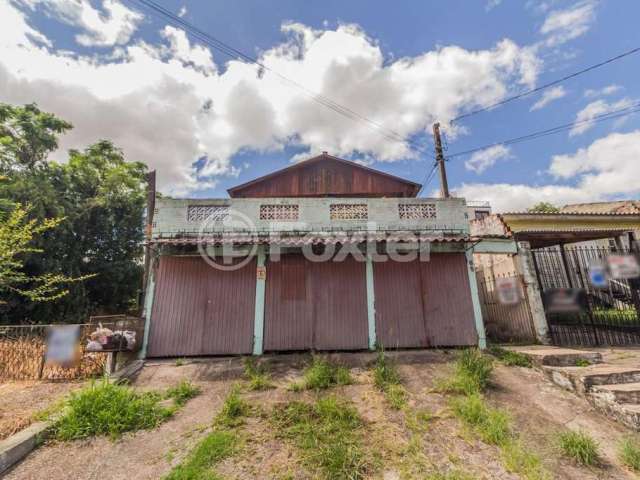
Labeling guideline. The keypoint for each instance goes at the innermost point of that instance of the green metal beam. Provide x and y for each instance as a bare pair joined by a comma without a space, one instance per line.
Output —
258,323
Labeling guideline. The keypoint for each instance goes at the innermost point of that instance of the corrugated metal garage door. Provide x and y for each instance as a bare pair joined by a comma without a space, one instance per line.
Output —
424,303
315,305
198,310
447,300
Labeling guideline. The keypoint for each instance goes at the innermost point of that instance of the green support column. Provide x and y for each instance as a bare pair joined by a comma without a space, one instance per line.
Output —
258,324
475,299
371,303
148,305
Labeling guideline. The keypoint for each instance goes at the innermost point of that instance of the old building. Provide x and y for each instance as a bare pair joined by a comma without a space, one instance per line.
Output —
325,254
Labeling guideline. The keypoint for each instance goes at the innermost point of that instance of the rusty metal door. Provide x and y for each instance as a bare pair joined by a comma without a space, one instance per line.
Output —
399,309
448,310
315,305
199,310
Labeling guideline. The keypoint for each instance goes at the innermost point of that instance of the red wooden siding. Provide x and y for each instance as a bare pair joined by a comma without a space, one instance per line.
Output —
315,305
448,308
421,304
324,176
399,308
198,310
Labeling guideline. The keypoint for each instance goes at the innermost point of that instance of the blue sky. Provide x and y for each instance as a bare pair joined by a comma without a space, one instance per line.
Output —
119,72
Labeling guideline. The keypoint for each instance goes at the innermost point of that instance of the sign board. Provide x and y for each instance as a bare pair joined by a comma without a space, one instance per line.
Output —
62,344
565,300
598,275
623,267
261,273
508,290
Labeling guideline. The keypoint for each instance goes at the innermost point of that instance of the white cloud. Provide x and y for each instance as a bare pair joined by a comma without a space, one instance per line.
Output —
560,26
549,96
594,109
114,25
480,161
601,92
491,4
604,170
167,105
183,11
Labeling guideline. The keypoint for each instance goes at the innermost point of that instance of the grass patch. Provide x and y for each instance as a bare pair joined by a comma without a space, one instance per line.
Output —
329,434
103,408
182,393
257,375
321,375
472,373
233,410
629,453
491,424
510,358
450,475
216,446
518,459
387,379
179,362
581,362
579,446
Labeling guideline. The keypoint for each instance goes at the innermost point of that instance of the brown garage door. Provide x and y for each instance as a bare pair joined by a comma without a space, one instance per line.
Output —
315,305
198,310
424,303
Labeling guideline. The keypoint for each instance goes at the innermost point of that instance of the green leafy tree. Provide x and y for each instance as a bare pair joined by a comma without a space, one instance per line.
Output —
543,207
17,233
101,198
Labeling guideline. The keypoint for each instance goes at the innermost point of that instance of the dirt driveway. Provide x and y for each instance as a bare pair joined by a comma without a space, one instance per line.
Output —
538,407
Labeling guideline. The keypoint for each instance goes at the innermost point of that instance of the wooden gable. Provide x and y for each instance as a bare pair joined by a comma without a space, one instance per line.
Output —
326,176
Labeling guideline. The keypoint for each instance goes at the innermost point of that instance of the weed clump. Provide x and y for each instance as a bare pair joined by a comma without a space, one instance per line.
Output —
629,453
511,358
233,410
328,433
215,447
103,408
491,424
183,392
472,373
579,446
387,379
582,362
321,375
257,375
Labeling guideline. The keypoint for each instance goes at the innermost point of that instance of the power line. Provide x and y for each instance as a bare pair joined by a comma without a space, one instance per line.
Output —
318,98
427,178
547,85
560,128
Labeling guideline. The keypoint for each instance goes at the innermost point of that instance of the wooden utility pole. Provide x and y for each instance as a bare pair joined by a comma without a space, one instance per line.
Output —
444,185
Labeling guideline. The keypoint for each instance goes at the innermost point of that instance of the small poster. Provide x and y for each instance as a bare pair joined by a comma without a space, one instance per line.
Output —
565,300
598,275
623,267
261,273
508,290
62,344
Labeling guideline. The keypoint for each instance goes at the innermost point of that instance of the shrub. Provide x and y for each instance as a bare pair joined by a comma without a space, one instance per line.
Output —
184,391
629,453
511,358
216,446
321,375
579,446
328,433
103,408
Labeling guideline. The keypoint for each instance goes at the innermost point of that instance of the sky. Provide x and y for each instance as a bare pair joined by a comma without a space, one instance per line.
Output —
206,121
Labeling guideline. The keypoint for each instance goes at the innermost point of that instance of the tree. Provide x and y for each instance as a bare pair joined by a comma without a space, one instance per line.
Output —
543,207
16,237
101,198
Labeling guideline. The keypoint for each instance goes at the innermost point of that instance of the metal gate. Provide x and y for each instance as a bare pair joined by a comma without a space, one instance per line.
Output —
610,315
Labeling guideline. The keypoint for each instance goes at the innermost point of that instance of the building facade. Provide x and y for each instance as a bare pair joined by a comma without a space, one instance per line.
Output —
323,255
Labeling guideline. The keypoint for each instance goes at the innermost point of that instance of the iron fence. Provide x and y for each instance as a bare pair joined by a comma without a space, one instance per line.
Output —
610,315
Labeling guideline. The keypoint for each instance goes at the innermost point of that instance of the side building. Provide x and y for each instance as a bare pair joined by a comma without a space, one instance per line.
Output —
323,255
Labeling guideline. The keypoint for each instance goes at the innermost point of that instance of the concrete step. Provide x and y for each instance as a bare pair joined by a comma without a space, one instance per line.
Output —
628,393
608,375
557,357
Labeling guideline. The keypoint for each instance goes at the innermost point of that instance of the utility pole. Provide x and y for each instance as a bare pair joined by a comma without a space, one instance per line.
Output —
444,185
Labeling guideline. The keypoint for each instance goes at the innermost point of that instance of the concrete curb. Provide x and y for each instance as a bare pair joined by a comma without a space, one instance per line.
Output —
19,445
